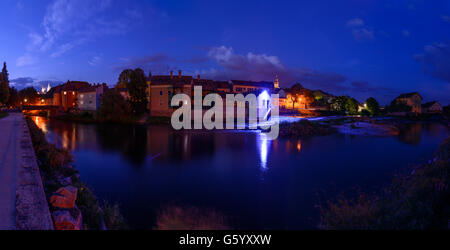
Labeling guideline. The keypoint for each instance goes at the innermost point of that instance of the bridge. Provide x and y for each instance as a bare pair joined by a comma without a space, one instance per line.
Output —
40,107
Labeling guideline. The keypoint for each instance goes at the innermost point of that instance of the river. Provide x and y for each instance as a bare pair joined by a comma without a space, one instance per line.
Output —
256,183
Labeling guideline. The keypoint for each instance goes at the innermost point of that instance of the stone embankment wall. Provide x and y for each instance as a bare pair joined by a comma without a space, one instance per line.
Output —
32,211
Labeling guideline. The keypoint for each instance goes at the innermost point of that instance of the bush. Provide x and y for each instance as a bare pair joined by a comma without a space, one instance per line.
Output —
365,112
190,218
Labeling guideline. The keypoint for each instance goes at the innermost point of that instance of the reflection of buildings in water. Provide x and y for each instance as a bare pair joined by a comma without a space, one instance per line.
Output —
292,146
411,134
40,122
165,144
435,129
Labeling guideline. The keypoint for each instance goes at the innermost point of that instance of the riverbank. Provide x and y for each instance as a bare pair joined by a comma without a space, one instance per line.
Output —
3,114
73,205
416,201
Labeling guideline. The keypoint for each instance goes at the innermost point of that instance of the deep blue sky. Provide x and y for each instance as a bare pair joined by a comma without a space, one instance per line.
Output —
362,47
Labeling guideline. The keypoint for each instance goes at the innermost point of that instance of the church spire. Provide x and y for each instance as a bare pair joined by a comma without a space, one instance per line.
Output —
276,83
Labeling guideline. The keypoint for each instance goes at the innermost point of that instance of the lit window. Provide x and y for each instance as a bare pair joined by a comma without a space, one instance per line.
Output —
65,93
81,95
73,92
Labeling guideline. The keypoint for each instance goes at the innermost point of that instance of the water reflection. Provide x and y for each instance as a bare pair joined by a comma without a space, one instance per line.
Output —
264,147
411,134
145,167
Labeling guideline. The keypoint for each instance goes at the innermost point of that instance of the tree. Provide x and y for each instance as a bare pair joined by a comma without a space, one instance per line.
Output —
308,97
297,91
351,106
4,85
124,78
14,98
136,83
338,104
28,96
373,106
113,107
137,87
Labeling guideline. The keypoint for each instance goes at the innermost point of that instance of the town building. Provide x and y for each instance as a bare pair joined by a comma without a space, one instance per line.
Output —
433,107
64,96
88,98
412,100
163,87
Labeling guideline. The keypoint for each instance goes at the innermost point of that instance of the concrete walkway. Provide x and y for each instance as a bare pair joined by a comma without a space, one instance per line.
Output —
22,199
10,135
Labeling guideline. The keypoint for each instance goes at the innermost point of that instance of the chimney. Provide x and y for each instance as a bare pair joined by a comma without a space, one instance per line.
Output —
198,77
179,73
171,74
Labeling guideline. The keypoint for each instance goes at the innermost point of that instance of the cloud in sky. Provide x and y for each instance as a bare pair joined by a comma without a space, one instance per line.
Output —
95,61
68,24
355,22
436,60
263,67
360,31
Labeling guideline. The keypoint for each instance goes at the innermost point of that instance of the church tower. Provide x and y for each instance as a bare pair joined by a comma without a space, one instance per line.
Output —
276,83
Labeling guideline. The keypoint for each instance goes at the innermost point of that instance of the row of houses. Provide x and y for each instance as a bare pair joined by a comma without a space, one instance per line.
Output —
161,89
414,102
74,94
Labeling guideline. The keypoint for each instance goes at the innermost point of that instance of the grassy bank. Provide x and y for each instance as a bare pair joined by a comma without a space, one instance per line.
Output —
56,168
417,201
3,114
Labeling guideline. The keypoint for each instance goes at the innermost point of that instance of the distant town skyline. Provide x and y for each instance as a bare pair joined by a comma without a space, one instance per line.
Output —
357,48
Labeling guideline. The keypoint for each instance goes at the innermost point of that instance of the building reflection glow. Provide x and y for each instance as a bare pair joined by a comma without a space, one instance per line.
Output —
264,148
41,124
299,146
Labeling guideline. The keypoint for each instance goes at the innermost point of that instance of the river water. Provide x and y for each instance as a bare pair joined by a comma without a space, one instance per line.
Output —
256,183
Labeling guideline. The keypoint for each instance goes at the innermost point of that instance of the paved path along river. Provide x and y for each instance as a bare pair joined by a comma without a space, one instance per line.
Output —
22,200
10,133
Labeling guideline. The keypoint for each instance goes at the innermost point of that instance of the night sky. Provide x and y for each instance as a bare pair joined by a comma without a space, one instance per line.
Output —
361,48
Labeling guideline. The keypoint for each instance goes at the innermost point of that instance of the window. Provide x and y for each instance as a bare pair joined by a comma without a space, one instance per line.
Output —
65,93
160,93
81,95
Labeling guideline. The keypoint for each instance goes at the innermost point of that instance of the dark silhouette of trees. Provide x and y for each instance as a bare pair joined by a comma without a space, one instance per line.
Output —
136,83
373,106
14,98
113,107
4,85
28,96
